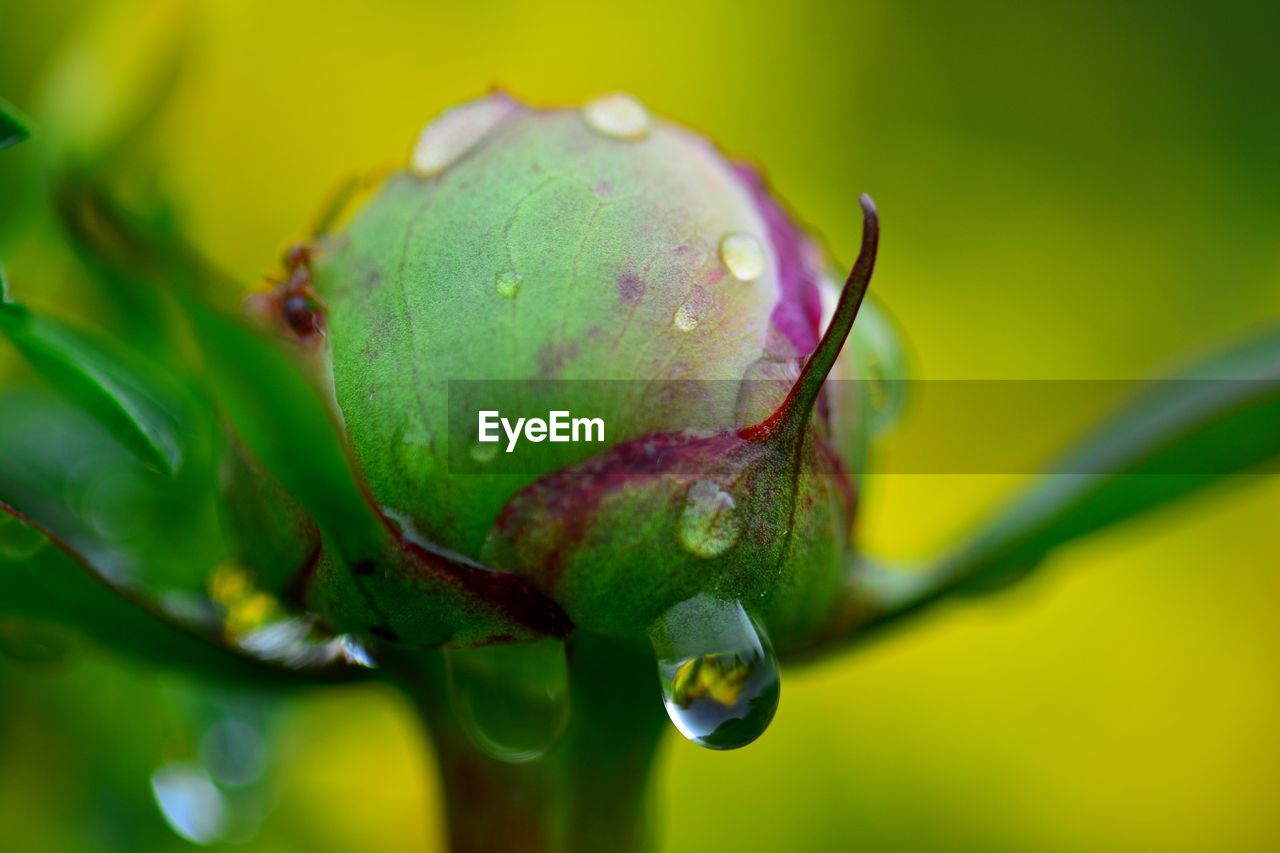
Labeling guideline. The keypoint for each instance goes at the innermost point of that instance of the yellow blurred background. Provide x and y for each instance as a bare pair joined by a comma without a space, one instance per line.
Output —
1068,190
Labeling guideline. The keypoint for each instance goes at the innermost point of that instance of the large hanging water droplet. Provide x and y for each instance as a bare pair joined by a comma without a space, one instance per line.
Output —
718,672
511,700
708,525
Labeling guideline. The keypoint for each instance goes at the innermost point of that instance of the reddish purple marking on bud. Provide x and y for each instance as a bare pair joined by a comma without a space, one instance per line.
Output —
511,594
798,313
579,490
631,288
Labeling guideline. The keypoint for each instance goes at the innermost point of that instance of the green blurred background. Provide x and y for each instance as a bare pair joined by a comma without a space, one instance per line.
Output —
1068,189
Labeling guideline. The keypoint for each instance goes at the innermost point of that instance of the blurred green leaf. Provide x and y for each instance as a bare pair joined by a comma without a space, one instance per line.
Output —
284,421
270,532
61,466
262,390
1219,419
44,579
113,77
276,405
129,304
282,418
105,381
14,127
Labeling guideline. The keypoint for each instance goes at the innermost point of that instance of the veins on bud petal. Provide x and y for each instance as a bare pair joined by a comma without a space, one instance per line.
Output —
793,414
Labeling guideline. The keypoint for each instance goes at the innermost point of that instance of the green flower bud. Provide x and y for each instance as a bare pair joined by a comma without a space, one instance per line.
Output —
587,245
538,260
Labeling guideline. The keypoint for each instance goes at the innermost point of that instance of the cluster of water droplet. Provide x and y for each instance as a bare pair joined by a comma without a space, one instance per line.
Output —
615,115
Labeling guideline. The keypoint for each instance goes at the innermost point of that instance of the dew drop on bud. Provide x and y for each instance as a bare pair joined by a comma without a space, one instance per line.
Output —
718,672
456,132
511,700
508,283
708,525
618,116
17,540
483,452
686,318
743,256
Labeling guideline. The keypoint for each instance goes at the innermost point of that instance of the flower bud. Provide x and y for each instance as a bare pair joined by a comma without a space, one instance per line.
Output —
537,253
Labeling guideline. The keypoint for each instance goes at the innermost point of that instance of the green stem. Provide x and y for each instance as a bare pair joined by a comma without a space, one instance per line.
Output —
1218,421
589,793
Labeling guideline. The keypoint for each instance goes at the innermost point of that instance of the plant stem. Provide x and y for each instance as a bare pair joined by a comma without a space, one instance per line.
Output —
1214,423
589,793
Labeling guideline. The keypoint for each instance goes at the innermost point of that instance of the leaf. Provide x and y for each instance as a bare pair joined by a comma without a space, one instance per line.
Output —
126,518
278,409
105,381
283,419
1218,420
14,127
44,579
112,79
262,390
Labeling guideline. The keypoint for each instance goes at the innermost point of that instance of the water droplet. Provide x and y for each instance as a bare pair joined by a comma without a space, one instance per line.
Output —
508,283
686,318
718,673
511,700
743,256
191,804
456,132
18,540
708,525
353,651
293,642
484,452
617,115
235,752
